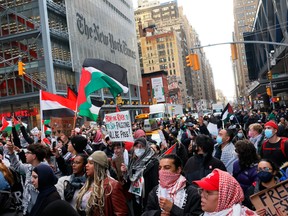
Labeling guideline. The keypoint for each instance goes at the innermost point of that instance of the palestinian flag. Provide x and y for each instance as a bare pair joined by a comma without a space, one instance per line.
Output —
98,74
7,125
171,150
46,127
226,113
52,105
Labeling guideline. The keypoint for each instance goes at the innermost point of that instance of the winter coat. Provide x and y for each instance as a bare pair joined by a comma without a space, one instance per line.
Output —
29,192
245,177
191,205
200,166
115,202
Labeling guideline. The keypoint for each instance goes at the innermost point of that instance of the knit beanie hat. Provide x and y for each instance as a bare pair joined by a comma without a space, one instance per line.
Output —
139,133
271,124
79,143
142,141
100,158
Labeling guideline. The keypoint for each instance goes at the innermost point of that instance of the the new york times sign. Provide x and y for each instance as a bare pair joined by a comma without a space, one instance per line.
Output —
94,32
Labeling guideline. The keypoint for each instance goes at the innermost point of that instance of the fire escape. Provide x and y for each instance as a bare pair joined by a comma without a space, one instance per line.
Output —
20,37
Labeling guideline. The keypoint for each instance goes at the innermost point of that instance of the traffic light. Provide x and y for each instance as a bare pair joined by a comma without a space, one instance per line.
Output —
21,69
269,75
276,99
119,100
234,51
268,91
189,61
195,62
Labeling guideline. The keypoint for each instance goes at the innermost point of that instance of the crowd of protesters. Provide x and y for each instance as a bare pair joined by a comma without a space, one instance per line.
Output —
189,172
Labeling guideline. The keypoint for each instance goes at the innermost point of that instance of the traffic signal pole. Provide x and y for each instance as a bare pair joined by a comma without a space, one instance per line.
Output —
252,42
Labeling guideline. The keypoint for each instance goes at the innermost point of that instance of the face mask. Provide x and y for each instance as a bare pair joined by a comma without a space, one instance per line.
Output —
240,135
167,178
265,176
219,140
268,133
139,152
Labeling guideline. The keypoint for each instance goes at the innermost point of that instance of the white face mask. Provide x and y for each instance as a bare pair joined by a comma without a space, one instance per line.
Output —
139,152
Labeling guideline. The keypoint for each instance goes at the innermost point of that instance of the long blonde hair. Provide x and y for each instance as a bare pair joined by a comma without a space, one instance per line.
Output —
97,198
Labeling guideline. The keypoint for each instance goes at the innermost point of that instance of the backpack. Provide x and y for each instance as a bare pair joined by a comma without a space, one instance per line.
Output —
282,146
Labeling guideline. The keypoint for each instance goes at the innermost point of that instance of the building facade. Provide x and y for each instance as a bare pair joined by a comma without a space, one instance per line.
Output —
270,26
244,15
168,17
53,38
154,88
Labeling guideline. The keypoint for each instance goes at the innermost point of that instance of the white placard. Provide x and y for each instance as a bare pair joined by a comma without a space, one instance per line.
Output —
119,126
212,128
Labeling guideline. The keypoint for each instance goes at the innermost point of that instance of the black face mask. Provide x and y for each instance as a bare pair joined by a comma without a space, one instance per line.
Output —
265,176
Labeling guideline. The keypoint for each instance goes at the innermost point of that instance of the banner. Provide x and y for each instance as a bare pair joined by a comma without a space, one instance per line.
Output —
62,125
119,126
274,200
158,89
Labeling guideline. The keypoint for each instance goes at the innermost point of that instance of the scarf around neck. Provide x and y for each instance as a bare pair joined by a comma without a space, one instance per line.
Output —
138,165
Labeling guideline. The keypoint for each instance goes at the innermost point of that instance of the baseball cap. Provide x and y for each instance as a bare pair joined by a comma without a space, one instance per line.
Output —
210,182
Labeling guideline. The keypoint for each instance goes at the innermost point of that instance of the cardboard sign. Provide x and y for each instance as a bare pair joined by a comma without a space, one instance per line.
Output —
119,126
274,200
62,125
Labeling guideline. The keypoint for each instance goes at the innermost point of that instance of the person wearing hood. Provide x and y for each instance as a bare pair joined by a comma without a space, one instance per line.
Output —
44,179
141,174
222,195
202,163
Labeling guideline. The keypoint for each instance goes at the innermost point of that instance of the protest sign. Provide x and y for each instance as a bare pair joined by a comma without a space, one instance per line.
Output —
62,125
212,128
119,126
274,200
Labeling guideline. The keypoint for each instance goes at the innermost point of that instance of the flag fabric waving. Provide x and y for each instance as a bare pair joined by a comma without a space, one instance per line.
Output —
226,113
5,124
53,105
98,74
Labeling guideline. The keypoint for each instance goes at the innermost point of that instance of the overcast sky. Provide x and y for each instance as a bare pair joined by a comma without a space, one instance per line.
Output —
213,21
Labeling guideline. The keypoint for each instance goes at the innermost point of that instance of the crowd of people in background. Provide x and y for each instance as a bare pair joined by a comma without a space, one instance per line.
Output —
189,172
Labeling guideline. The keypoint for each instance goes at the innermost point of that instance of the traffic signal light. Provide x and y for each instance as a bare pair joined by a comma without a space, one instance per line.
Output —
119,100
21,69
189,61
269,75
234,51
276,99
268,91
195,62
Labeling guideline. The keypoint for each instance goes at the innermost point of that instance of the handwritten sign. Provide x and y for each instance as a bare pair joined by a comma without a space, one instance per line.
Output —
274,200
62,125
119,126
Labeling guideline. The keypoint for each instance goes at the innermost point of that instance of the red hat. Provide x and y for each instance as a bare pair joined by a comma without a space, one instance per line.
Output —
210,182
271,124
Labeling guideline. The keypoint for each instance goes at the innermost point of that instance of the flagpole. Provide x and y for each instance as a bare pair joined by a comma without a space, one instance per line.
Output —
41,117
